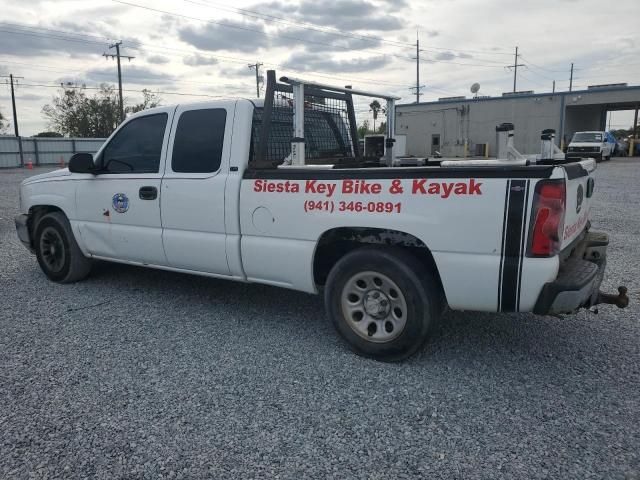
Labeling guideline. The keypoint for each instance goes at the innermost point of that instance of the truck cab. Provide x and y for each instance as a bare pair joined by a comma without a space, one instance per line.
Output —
594,144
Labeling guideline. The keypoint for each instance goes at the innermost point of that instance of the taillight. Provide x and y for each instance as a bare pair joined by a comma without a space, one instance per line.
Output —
547,218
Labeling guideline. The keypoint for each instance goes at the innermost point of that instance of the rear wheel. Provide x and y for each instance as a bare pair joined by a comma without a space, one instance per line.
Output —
57,252
382,302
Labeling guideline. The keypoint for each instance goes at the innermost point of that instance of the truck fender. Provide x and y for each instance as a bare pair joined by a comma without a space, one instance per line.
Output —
333,244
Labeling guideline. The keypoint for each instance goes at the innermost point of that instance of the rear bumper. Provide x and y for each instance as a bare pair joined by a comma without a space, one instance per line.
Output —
578,282
22,228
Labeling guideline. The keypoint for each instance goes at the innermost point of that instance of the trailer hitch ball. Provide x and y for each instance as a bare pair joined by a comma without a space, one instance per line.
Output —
621,300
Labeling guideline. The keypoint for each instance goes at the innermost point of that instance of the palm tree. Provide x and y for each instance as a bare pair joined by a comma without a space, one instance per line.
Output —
375,108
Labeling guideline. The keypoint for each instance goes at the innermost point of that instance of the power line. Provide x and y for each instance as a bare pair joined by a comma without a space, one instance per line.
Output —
305,25
85,87
238,27
330,30
102,39
178,81
143,46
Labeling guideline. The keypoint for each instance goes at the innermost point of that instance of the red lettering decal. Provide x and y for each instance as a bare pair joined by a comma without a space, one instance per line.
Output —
474,188
310,187
461,189
347,186
418,186
447,187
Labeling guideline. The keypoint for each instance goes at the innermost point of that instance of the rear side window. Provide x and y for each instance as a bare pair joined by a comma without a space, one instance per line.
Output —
137,146
197,147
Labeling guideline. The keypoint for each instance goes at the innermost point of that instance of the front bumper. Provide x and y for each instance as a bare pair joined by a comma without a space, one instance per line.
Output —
597,156
22,228
578,282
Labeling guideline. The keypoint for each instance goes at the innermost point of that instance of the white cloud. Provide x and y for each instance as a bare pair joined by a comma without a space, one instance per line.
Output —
463,42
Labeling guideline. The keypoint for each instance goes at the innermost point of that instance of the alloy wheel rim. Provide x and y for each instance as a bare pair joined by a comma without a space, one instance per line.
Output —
374,307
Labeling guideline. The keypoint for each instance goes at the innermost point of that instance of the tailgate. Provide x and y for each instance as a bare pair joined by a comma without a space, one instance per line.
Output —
579,188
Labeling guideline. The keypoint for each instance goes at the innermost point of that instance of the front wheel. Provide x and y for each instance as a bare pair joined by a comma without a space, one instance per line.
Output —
382,302
58,254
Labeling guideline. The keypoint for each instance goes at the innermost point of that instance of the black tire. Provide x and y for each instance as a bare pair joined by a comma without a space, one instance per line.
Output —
57,252
418,293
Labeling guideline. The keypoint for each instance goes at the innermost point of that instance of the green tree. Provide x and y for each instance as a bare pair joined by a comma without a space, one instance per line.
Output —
382,128
363,129
149,100
4,124
48,134
376,108
75,114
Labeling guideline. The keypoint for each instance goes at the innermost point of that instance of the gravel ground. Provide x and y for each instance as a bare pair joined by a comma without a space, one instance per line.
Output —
138,373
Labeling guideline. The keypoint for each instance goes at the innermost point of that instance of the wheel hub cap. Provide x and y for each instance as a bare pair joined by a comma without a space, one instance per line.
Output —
374,307
376,303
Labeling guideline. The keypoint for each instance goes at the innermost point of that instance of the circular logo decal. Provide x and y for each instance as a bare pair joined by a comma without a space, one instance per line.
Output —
579,199
120,202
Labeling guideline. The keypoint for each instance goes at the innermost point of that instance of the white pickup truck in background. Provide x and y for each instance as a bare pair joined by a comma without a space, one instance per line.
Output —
597,145
277,192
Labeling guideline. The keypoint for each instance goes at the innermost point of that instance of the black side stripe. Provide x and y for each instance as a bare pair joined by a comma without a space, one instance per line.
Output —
523,245
504,226
513,245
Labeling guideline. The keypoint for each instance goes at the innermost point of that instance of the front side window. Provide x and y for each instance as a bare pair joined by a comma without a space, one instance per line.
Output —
199,140
136,148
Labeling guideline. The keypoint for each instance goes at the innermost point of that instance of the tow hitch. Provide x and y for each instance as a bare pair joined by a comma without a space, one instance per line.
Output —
621,300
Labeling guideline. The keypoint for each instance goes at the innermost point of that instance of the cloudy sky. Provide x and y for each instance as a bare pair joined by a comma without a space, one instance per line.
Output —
194,50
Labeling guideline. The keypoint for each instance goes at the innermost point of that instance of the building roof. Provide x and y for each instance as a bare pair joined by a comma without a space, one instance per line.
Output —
524,95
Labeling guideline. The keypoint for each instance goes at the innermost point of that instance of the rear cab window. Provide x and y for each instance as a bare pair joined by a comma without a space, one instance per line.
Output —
199,141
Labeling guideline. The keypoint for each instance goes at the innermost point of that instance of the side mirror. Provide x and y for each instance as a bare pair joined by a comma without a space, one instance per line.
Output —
82,163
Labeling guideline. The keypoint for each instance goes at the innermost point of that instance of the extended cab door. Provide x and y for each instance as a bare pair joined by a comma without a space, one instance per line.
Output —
119,208
193,188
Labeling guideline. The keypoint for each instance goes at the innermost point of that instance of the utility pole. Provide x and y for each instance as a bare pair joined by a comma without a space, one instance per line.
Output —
515,70
257,66
571,79
417,69
15,117
117,56
418,87
554,87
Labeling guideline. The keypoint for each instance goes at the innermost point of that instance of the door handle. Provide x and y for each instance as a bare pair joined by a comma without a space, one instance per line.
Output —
148,193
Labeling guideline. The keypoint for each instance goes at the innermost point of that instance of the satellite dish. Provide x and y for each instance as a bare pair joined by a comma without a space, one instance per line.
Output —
475,87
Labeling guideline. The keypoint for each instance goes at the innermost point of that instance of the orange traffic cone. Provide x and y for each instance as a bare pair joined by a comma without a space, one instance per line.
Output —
29,165
61,161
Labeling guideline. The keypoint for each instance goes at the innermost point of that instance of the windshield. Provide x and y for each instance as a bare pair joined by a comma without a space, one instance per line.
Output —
587,137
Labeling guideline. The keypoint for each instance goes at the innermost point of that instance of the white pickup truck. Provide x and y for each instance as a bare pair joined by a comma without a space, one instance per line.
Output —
276,192
596,145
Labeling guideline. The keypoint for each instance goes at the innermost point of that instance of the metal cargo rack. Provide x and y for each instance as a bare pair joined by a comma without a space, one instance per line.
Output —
297,111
